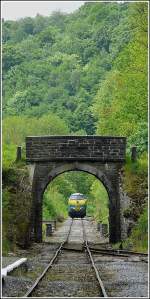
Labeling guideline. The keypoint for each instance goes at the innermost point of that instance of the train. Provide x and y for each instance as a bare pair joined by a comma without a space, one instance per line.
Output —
77,204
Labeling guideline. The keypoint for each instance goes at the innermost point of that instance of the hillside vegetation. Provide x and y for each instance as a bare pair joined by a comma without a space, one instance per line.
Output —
83,73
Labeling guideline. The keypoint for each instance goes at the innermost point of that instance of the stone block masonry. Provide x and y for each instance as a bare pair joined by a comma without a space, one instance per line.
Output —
75,148
101,156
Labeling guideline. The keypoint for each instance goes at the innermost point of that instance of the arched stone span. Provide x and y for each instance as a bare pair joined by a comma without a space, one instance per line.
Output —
108,177
99,156
85,167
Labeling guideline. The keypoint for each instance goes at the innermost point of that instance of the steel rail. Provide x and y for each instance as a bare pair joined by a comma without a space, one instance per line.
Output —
108,253
119,252
93,264
31,290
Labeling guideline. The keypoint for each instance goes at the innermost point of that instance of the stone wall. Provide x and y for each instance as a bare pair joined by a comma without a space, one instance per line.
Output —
89,148
124,204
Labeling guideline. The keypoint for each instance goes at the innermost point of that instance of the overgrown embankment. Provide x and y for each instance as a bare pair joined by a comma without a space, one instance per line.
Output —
135,184
17,204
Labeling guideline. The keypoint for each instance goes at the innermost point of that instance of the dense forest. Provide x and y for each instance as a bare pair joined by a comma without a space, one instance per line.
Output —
82,73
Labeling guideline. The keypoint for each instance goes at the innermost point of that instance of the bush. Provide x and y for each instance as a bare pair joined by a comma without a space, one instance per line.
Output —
54,206
9,155
138,241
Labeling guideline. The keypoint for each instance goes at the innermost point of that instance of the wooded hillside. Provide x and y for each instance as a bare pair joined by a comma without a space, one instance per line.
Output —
80,73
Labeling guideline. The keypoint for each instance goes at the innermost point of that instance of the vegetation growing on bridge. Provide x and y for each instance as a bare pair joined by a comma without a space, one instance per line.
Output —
83,73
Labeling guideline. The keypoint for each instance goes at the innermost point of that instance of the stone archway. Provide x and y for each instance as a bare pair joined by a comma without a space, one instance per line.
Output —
102,157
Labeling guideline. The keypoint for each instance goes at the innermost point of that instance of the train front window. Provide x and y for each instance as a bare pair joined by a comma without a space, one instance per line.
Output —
77,196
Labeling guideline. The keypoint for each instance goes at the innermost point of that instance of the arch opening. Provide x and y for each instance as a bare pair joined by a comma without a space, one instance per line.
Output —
107,174
59,189
87,168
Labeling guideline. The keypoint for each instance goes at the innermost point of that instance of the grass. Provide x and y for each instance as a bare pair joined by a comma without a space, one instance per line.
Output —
139,167
138,240
6,246
139,235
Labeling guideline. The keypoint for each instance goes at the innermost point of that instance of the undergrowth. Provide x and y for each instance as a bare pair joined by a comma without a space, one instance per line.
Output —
135,184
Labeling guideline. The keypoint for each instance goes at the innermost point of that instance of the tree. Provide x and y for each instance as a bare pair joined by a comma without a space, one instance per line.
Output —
46,37
121,102
11,57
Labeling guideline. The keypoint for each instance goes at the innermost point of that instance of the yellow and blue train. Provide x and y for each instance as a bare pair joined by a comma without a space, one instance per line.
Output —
77,205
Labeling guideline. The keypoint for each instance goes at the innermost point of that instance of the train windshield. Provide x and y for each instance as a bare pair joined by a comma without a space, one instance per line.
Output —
77,196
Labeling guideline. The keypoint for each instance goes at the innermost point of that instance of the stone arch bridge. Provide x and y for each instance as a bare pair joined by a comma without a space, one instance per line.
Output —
100,156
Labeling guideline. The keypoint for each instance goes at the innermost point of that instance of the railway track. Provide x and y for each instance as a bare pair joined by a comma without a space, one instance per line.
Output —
101,285
117,252
78,267
35,285
62,257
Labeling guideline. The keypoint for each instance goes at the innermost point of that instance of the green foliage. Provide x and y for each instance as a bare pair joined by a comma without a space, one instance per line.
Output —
99,202
80,181
53,205
140,232
135,183
14,132
9,155
121,102
138,241
55,63
16,128
6,245
57,193
82,74
46,37
138,167
11,56
16,196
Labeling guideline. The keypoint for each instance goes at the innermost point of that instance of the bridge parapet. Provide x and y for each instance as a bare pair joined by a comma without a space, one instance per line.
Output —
75,148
